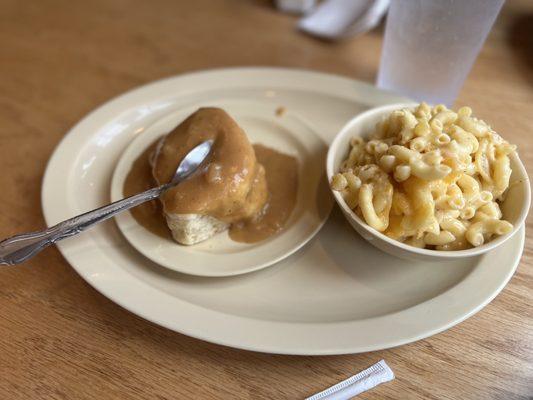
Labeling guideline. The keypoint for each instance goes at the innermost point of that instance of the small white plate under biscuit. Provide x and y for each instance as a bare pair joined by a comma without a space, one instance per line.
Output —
219,255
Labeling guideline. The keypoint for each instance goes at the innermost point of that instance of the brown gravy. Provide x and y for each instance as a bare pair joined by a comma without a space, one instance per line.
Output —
230,186
139,178
282,182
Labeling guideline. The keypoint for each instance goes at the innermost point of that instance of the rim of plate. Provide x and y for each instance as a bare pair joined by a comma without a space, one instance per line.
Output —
232,330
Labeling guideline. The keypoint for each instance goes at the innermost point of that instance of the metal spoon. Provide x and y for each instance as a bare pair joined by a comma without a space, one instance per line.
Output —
18,249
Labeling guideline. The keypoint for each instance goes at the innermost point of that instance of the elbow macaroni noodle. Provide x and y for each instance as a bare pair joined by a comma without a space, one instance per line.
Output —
429,177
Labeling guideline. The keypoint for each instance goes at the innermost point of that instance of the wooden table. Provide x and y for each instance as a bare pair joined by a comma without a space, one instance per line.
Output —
60,339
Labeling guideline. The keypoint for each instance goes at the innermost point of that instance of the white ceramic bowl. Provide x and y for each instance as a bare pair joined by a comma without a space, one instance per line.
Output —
514,208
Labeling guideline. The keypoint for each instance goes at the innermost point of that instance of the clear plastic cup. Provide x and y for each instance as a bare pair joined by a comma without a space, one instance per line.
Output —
430,46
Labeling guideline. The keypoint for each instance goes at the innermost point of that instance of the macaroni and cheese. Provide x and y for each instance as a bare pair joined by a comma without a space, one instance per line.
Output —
429,177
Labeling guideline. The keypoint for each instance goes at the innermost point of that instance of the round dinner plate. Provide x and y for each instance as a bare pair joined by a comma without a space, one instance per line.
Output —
336,295
221,256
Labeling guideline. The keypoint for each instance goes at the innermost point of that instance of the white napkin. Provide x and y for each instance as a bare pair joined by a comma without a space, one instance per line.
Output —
363,381
334,19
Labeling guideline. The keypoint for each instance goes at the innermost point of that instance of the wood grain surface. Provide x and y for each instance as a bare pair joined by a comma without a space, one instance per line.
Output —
60,339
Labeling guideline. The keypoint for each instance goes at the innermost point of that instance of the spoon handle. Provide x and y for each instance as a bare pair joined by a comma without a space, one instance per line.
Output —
19,248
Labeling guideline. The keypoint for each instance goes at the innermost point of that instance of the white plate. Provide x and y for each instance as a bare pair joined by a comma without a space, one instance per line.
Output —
221,256
336,295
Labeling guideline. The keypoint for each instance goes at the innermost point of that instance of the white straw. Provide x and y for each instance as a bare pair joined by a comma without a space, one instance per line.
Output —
363,381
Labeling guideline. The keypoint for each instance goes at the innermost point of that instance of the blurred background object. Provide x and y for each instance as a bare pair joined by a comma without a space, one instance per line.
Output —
430,45
336,19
